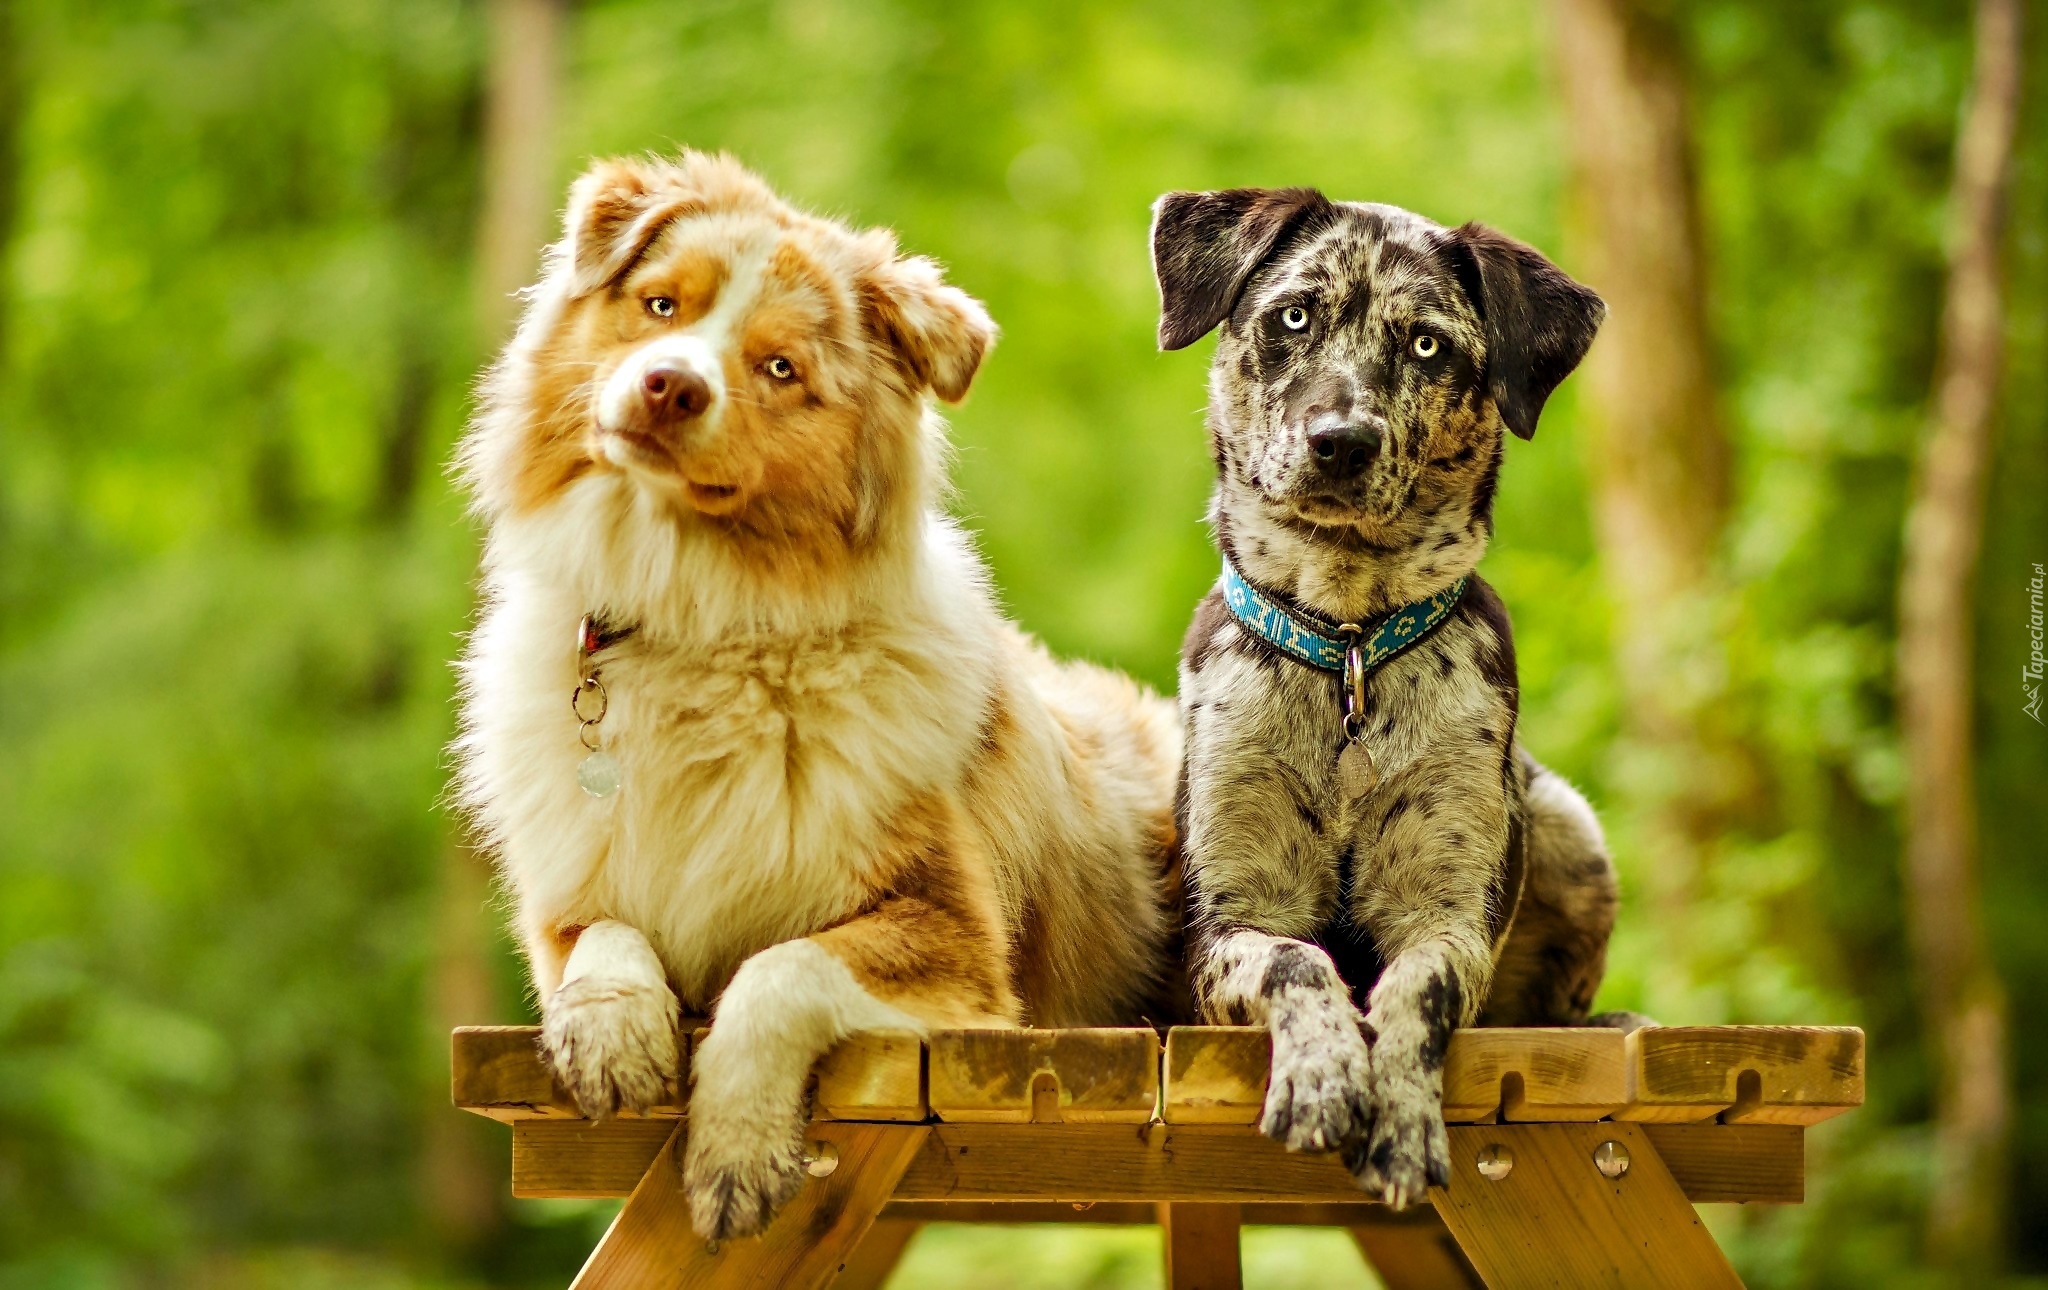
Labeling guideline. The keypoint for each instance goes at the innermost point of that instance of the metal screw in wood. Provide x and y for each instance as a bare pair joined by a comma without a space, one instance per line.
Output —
1495,1162
1611,1159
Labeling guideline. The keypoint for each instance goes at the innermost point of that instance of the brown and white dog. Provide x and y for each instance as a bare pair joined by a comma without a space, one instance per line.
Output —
1369,367
851,795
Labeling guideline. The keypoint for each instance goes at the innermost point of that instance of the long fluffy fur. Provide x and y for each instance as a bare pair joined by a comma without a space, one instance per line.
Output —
854,795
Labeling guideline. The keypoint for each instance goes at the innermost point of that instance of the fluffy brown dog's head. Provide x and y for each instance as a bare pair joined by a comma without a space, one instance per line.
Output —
751,369
1369,357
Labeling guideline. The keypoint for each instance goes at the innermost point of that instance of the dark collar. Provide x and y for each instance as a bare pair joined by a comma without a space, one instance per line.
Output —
1324,645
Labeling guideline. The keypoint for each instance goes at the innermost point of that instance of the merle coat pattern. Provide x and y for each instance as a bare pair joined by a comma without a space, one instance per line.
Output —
1368,363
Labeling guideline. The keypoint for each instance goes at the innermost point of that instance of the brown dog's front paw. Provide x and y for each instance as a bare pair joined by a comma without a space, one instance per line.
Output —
738,1193
612,1044
1408,1150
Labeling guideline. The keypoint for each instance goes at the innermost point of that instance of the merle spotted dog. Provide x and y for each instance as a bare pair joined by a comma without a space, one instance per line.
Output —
1361,826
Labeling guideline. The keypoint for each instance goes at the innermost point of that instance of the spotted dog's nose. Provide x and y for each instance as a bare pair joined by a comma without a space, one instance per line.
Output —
1343,446
673,392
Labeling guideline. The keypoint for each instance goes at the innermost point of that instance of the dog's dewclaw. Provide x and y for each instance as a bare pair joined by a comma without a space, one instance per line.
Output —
1355,773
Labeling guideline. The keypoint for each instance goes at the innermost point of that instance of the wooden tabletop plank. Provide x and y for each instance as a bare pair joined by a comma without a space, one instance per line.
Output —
875,1075
1217,1074
498,1071
1535,1074
1743,1074
1093,1076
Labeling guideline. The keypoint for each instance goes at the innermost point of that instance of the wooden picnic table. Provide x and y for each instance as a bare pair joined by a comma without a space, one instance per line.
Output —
1576,1155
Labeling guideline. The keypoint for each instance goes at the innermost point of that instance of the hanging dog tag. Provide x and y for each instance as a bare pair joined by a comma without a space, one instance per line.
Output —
598,774
1356,775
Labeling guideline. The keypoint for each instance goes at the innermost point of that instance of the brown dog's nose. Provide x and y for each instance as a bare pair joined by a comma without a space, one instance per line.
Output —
1343,446
674,393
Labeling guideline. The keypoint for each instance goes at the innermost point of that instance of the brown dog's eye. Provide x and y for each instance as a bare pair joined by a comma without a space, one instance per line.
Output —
1425,345
661,306
1294,318
780,368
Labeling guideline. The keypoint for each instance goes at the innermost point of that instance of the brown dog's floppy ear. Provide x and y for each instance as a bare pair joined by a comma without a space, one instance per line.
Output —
616,210
1205,246
939,331
1539,322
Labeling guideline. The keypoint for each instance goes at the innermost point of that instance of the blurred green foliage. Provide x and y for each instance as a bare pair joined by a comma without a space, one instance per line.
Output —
235,339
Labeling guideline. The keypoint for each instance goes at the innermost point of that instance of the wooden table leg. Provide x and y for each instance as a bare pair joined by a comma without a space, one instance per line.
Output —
1417,1253
1553,1219
877,1255
1201,1246
651,1244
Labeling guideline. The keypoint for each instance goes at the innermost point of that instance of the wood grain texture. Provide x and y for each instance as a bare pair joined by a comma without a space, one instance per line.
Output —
583,1159
1082,1162
1744,1074
877,1255
877,1075
1734,1163
1555,1221
1535,1074
1054,1166
1096,1076
1416,1256
1201,1246
498,1071
1140,1213
1217,1074
651,1244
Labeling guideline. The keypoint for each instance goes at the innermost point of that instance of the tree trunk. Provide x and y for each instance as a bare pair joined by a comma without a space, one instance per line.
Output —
11,107
519,155
464,1169
1961,992
1658,454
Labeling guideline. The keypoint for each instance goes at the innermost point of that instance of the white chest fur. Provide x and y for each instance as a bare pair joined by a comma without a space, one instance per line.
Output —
759,767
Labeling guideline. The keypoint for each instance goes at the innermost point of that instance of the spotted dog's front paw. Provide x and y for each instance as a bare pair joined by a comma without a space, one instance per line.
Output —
1316,1093
1408,1150
738,1180
612,1044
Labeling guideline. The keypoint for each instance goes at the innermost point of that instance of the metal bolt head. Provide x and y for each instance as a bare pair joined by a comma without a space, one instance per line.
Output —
820,1159
1495,1162
1611,1159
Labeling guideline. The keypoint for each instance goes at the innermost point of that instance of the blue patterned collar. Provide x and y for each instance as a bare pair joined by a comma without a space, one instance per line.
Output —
1323,645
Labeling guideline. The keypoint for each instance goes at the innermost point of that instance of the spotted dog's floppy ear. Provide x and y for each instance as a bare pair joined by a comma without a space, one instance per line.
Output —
940,333
1205,246
1538,321
616,210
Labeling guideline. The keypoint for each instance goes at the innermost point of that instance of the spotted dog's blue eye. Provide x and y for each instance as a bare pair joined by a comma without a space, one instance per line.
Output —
1294,318
1425,345
661,306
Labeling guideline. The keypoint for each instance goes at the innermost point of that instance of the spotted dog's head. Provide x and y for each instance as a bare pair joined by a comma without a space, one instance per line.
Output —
1368,359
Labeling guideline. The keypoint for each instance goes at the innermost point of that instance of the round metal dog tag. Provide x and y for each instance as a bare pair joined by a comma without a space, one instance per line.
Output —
598,774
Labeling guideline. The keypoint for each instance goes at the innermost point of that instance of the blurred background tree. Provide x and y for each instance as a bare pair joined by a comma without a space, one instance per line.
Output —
254,253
